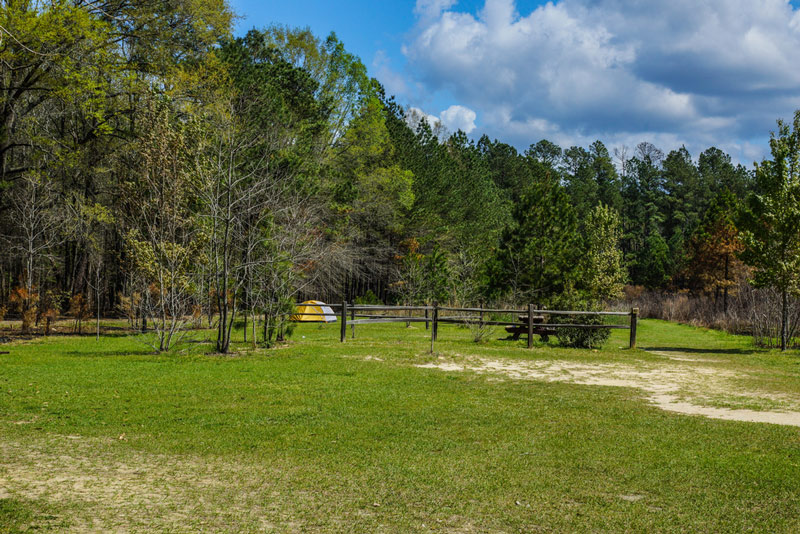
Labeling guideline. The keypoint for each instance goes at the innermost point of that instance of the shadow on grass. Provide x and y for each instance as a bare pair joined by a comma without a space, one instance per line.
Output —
689,350
22,515
110,353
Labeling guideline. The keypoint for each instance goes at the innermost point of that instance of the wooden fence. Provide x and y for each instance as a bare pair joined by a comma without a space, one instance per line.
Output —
360,314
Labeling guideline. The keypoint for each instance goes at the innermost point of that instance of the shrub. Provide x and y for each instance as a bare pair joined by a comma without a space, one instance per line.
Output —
78,310
583,338
27,304
129,307
368,298
481,332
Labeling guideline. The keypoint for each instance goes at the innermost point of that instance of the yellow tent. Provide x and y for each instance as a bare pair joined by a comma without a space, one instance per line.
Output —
314,306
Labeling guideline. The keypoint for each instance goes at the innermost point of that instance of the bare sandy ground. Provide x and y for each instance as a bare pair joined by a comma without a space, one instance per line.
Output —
676,385
136,491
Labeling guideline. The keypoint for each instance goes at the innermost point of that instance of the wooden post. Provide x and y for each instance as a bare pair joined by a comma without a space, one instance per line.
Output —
353,326
530,325
435,330
427,325
634,320
343,335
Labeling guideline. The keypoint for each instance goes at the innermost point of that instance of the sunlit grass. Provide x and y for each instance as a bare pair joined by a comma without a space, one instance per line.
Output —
322,436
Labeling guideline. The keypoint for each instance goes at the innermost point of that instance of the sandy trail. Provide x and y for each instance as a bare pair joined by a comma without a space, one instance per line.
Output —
674,386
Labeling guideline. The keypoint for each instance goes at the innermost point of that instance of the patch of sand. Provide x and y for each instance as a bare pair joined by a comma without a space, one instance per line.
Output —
665,386
679,356
139,491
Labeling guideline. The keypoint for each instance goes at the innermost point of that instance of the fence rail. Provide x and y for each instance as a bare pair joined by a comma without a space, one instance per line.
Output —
533,323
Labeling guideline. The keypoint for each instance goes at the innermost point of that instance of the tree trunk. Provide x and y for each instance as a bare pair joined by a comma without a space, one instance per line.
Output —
784,319
725,294
253,322
266,324
97,296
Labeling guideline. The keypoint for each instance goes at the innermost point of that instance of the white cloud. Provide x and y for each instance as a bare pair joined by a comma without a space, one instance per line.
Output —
452,119
432,8
415,115
683,71
459,118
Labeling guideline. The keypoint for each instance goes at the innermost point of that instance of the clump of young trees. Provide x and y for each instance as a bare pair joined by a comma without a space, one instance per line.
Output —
155,166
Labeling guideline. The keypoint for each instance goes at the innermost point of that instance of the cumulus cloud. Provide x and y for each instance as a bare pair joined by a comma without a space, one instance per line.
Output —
699,73
459,118
452,119
415,115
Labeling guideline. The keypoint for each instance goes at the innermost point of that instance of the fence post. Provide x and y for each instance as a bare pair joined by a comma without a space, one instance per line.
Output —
343,334
352,325
435,330
426,327
634,320
530,326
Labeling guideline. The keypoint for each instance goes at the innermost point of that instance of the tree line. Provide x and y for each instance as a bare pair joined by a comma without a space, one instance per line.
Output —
155,166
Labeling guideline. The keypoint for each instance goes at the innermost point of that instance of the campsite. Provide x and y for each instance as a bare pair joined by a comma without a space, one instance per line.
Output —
378,434
458,266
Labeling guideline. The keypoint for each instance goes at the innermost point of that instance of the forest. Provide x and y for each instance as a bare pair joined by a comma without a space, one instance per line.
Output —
154,166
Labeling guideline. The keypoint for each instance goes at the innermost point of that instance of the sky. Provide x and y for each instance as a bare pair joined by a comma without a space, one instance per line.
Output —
694,73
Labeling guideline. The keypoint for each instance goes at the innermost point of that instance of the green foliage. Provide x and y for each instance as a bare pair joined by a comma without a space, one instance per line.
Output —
580,338
368,298
424,278
539,253
319,173
342,82
583,338
770,221
603,273
374,193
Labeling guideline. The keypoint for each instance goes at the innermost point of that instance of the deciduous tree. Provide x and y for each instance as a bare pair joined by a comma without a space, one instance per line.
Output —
770,221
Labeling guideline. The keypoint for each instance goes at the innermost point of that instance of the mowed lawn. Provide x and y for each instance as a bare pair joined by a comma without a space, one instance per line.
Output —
319,436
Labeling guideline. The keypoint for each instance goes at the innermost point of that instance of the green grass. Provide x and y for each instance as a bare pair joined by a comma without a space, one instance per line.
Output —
321,436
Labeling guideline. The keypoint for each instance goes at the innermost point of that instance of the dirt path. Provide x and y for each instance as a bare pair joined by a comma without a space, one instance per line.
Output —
678,385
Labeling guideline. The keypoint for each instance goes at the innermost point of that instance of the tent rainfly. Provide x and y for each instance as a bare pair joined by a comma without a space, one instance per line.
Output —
314,306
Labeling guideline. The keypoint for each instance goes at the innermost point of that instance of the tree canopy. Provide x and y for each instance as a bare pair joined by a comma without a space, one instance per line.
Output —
147,154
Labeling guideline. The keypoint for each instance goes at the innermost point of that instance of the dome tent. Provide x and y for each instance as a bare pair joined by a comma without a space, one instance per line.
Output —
313,306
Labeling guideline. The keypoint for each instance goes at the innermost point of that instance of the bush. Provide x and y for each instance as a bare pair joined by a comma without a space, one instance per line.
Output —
580,338
481,332
583,338
368,298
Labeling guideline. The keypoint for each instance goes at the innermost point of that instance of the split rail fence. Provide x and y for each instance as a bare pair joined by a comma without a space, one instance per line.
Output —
360,314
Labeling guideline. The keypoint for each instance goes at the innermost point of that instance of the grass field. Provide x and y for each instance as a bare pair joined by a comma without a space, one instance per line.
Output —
378,435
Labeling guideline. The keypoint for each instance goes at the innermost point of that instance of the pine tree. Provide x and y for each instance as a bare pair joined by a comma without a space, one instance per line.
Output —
539,251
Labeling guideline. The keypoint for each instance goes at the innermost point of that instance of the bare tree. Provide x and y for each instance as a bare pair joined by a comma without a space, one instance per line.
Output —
164,240
38,219
263,228
622,160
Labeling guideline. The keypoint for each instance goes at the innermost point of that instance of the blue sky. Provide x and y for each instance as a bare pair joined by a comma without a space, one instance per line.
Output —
680,72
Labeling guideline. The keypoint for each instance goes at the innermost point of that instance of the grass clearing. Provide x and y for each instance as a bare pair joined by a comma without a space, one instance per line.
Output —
321,436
